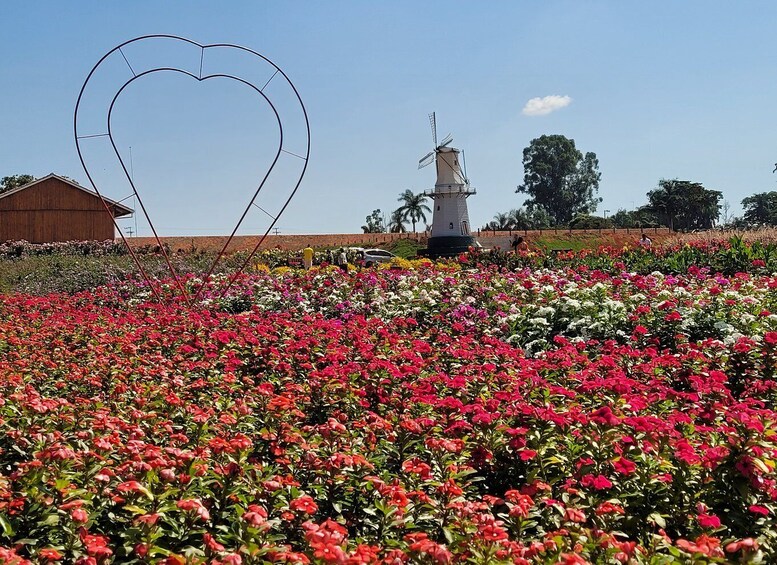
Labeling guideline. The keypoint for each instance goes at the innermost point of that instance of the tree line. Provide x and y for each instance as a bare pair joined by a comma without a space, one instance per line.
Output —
561,184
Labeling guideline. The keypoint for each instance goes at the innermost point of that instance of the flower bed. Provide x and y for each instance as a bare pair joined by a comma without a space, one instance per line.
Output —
435,415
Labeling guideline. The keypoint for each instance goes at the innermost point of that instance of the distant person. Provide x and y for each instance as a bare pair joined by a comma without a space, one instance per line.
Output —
307,257
645,241
342,260
519,244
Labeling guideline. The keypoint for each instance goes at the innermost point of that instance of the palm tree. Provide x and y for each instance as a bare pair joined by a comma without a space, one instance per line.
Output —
502,222
397,222
413,207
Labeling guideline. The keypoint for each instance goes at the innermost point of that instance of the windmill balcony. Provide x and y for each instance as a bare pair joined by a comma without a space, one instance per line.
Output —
449,190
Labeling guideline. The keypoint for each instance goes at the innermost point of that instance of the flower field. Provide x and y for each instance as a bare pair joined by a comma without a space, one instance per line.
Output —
601,408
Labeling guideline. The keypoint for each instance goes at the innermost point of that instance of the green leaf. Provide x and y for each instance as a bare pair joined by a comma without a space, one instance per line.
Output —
50,520
761,465
657,519
6,525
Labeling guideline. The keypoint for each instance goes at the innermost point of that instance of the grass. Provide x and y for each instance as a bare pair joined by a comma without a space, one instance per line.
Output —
554,243
404,248
763,235
47,273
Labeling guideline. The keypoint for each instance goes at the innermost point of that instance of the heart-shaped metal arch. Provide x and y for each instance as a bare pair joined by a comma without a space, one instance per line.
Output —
199,77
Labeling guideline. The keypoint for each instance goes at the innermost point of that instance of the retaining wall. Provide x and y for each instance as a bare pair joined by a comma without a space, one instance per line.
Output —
296,242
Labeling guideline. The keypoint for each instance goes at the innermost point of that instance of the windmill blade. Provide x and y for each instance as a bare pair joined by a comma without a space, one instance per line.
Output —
464,166
433,123
426,160
446,140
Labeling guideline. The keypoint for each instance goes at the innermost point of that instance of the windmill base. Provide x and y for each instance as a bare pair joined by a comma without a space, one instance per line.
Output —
447,246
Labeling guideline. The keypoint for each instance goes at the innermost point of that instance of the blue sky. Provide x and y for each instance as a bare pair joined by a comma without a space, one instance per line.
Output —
658,90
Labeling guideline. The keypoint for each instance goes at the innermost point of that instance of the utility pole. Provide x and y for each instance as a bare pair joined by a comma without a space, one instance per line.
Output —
134,192
130,231
276,231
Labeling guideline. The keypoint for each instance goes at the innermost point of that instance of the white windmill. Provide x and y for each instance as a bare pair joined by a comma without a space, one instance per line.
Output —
450,220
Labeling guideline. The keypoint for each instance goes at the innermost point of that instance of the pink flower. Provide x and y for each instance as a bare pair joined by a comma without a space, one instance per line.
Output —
708,521
79,515
760,510
598,482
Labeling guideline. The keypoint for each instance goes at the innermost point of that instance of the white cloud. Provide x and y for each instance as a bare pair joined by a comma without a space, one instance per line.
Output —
546,105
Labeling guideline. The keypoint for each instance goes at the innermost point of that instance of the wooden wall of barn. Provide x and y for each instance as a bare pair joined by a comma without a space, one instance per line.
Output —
53,211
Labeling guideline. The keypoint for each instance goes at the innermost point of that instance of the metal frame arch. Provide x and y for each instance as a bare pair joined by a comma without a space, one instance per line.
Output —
200,78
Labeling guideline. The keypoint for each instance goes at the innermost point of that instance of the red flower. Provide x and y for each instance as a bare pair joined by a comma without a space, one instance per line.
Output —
624,466
255,515
673,316
49,554
194,505
211,543
492,532
575,515
304,504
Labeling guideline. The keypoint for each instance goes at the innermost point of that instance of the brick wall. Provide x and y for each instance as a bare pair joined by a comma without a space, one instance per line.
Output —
285,242
487,239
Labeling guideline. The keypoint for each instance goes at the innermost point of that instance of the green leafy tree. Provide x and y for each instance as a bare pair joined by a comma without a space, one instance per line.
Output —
14,181
589,222
559,178
760,208
413,207
623,219
374,223
640,218
684,205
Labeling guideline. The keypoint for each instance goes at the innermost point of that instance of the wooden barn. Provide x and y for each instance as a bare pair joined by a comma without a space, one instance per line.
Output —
52,209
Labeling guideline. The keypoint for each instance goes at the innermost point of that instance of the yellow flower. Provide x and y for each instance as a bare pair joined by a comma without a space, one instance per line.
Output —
423,263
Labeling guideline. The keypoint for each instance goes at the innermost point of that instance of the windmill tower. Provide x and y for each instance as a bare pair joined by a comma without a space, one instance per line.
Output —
450,220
